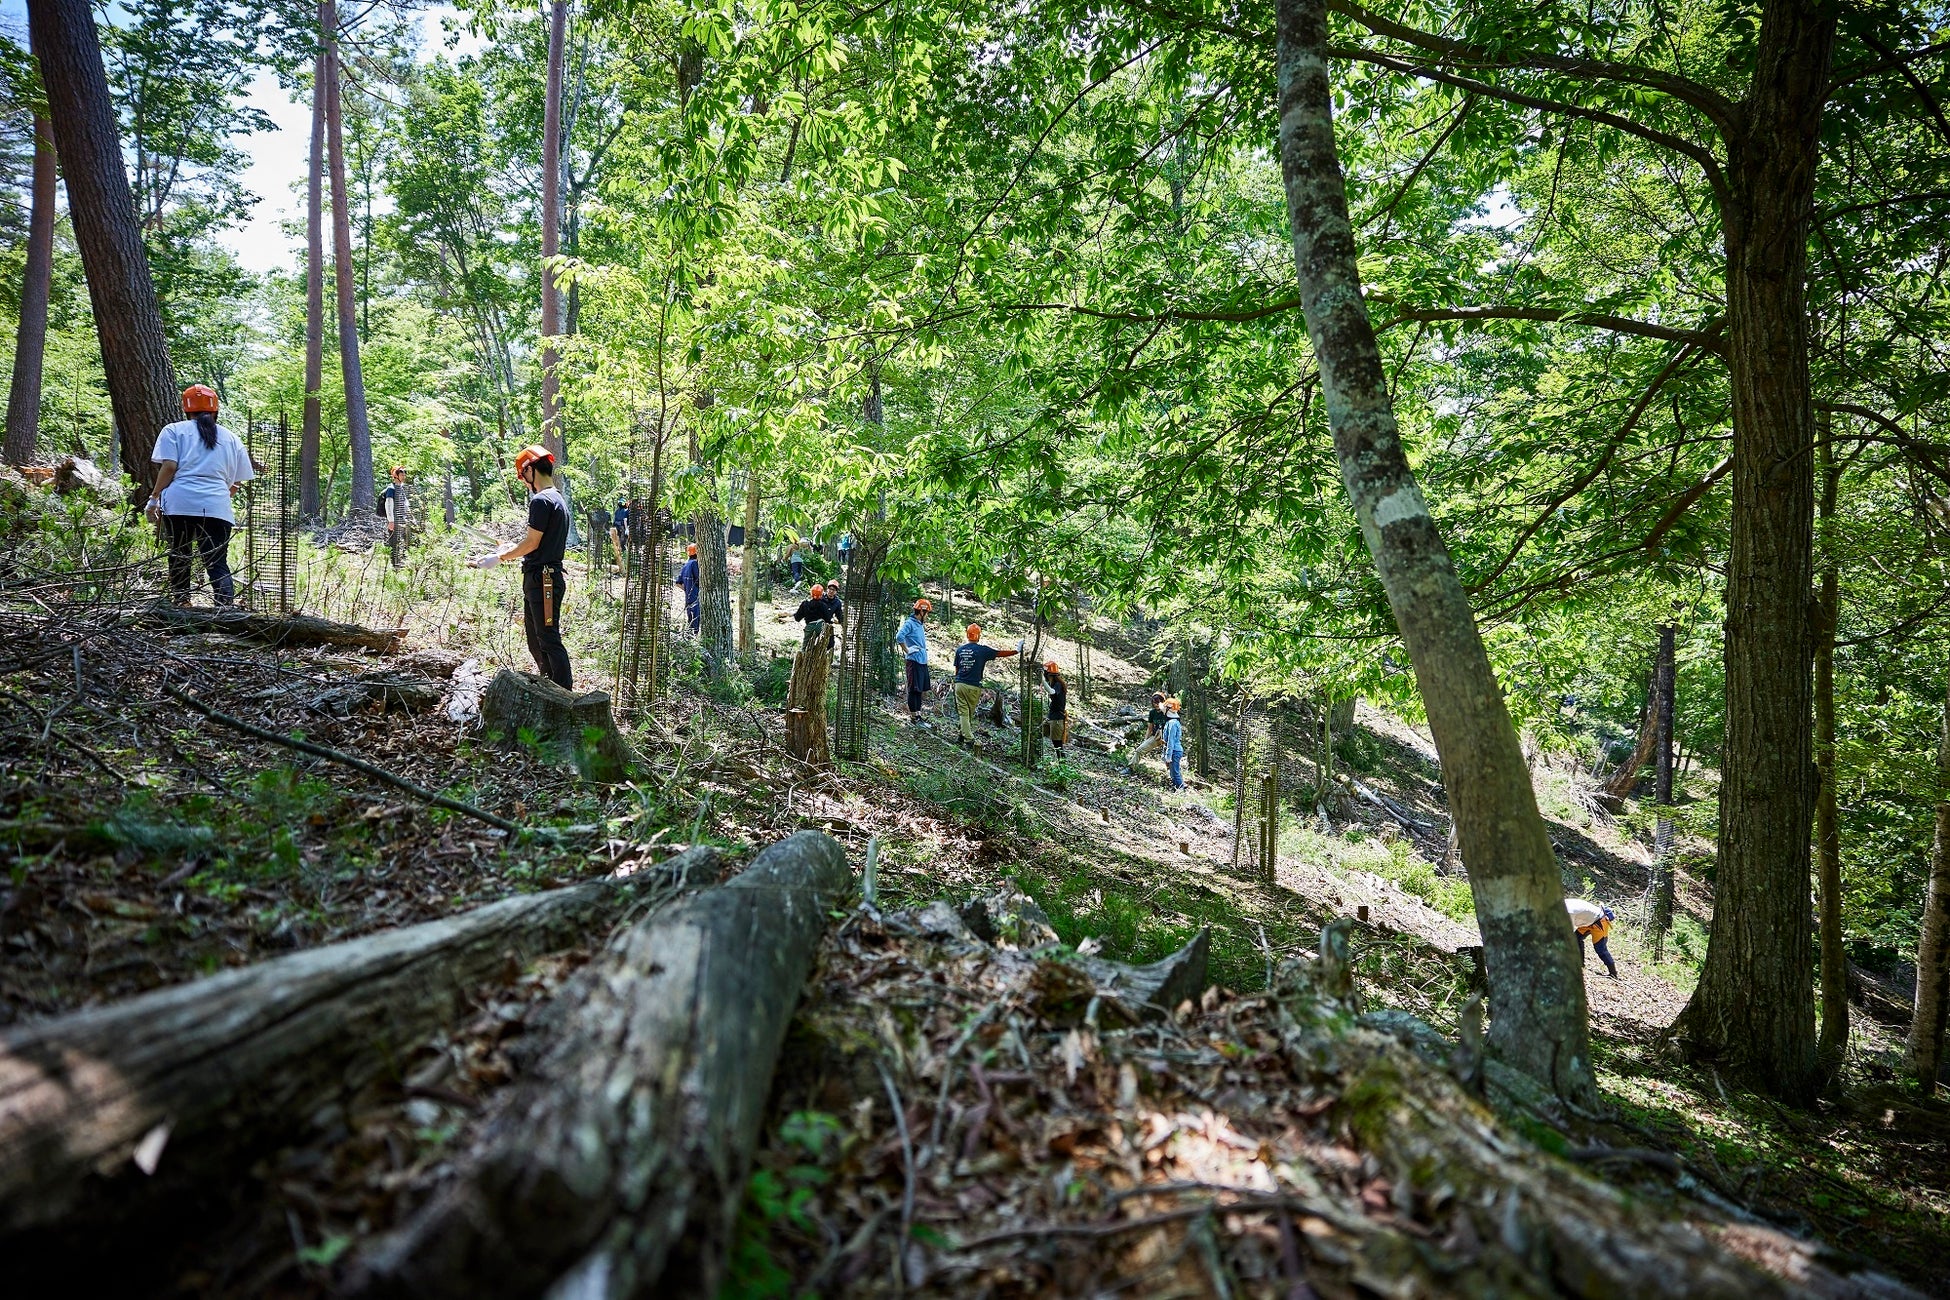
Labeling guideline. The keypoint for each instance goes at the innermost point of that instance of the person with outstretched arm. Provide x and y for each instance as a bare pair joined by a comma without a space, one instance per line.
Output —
913,640
687,579
200,465
1593,922
816,611
971,657
1174,743
540,552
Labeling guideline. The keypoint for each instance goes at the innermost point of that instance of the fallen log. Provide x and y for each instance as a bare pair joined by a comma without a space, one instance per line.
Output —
616,1169
288,630
107,1114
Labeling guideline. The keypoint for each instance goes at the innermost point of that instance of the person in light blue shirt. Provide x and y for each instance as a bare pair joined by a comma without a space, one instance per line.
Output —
913,638
1174,743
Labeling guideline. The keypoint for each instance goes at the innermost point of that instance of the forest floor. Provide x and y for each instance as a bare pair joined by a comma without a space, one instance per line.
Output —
182,848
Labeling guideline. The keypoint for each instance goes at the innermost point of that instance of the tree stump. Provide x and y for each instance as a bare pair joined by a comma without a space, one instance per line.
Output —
618,1167
523,709
805,702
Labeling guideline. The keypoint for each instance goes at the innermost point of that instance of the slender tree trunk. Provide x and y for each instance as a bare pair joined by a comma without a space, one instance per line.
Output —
713,576
1926,1027
552,230
311,510
30,342
128,322
1666,679
748,563
1536,987
1753,1010
358,431
1833,1042
1620,782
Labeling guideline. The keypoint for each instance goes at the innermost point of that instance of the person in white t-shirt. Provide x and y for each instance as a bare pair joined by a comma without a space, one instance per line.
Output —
200,465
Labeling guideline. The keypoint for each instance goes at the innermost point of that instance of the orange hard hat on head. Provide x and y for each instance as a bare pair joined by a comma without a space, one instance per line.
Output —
1172,703
974,631
818,591
529,455
924,606
691,549
1051,667
198,398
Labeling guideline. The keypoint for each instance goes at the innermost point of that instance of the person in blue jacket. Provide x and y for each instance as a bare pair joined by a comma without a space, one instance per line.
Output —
687,579
1174,743
913,639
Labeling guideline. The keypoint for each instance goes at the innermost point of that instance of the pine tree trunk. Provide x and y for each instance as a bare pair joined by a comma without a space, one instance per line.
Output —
1926,1027
311,509
1833,1042
1753,1010
552,231
1666,685
128,321
30,341
748,562
358,431
1536,988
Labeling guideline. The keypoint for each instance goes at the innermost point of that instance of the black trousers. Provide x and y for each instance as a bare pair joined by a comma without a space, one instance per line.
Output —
917,684
542,591
189,535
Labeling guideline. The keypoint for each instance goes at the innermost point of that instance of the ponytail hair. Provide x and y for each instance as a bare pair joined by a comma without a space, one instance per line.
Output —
206,428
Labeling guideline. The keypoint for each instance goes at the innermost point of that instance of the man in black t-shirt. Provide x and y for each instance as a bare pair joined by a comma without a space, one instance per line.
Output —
971,657
542,582
1056,722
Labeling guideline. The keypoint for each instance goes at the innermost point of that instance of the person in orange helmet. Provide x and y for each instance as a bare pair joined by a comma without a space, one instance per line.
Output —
971,657
389,499
687,579
1056,720
541,551
200,465
912,638
816,611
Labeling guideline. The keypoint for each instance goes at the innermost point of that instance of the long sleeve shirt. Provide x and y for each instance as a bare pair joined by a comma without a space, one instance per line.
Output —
913,638
687,579
1174,739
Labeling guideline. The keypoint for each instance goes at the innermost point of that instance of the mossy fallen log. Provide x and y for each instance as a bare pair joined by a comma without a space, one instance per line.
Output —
116,1115
617,1167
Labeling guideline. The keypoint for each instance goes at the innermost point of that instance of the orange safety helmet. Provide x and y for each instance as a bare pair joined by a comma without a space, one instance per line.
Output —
974,631
818,591
691,549
399,469
529,455
923,606
1051,667
1172,703
198,398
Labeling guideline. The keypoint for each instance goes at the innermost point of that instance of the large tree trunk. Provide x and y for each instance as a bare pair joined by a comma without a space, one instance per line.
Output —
1753,1010
1666,679
1926,1026
552,230
617,1169
1833,1042
713,570
128,322
748,562
30,340
310,509
194,1080
357,431
1536,988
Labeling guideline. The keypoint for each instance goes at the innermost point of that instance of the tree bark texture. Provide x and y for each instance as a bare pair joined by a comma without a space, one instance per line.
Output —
1620,783
357,431
227,1065
30,339
1832,1044
1926,1026
1753,1010
805,703
617,1169
1666,681
1536,988
142,389
292,630
310,509
552,231
748,562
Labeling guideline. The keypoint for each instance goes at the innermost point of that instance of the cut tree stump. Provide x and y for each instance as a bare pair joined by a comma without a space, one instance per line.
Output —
617,1168
195,1079
523,709
1147,992
805,703
295,630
